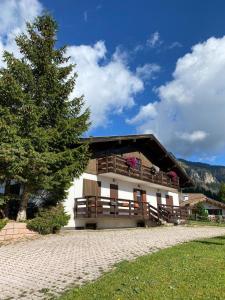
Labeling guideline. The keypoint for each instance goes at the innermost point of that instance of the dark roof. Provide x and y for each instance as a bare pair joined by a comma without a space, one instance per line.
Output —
150,146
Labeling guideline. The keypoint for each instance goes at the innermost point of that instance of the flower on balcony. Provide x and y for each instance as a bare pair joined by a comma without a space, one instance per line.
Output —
131,162
172,175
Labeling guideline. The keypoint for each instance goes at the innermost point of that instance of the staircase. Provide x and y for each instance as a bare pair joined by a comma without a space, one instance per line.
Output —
165,214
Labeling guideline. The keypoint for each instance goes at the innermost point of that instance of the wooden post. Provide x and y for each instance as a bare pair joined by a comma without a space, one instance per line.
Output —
87,207
96,206
129,208
75,207
114,163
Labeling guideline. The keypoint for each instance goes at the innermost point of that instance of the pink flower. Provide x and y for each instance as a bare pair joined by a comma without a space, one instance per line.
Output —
172,175
131,162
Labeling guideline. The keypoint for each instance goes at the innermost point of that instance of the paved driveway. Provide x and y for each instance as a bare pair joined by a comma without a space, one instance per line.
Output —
35,269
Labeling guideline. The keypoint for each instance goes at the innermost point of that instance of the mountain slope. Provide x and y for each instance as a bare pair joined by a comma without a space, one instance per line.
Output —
206,177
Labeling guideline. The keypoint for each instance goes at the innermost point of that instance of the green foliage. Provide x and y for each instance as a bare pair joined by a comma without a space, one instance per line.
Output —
49,220
3,222
40,123
200,211
221,193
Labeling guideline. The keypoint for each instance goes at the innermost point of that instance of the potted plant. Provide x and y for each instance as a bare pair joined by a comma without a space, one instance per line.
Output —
172,175
131,162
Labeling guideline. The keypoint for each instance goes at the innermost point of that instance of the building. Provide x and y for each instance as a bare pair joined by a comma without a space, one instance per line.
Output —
213,207
129,181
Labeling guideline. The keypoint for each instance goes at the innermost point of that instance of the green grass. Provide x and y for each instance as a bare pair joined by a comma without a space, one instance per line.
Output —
205,223
194,270
3,222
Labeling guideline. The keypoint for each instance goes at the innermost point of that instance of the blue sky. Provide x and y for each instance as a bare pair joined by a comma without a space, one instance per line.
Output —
144,66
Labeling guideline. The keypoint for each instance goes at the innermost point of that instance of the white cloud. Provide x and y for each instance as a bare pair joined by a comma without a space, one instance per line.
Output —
147,71
13,18
189,114
175,45
194,136
107,83
154,40
145,113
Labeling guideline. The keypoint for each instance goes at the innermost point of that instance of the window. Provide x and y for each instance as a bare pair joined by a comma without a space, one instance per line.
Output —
138,164
138,195
91,188
216,212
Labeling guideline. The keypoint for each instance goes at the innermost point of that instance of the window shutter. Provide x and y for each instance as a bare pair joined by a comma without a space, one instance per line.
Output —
91,187
144,196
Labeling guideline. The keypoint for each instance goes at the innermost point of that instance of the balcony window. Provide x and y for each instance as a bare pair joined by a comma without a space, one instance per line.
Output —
138,164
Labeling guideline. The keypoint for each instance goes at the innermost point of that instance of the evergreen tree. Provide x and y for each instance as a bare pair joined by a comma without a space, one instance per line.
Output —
40,125
221,194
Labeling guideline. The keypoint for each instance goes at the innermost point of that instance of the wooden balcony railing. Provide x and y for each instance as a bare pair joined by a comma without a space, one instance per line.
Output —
117,164
95,207
170,212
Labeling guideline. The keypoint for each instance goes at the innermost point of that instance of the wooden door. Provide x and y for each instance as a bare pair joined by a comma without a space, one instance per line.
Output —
114,195
140,199
144,202
114,191
169,200
159,198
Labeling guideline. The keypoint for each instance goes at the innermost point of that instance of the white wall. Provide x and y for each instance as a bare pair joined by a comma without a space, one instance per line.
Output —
175,198
125,191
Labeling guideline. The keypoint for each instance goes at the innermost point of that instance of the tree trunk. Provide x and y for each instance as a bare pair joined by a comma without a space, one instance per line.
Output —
22,213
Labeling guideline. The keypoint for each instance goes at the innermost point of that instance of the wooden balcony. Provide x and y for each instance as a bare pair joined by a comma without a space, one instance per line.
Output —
118,165
96,207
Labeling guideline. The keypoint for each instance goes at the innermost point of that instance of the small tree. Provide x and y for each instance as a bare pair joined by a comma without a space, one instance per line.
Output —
40,125
221,194
200,211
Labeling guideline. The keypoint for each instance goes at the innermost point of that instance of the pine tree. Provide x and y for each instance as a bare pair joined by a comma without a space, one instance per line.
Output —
40,125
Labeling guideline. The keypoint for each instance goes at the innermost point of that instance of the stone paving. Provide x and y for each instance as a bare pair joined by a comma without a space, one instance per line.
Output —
15,231
38,269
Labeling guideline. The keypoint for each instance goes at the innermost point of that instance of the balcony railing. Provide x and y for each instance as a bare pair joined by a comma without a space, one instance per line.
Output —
172,212
95,207
117,164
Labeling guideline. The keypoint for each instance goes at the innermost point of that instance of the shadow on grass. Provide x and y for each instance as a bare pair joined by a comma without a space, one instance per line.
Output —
220,238
209,242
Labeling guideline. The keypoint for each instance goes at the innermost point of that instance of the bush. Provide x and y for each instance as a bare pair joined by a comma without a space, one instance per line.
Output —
3,222
200,212
49,220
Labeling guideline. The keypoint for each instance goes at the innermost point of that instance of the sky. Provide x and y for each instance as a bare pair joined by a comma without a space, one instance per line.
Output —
144,66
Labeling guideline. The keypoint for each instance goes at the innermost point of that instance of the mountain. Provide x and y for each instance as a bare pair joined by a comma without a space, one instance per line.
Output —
206,177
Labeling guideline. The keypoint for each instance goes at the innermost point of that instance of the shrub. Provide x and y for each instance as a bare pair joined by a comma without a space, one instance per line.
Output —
200,212
3,222
49,220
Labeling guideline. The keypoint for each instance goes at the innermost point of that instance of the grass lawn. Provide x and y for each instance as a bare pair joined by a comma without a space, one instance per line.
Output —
194,270
205,223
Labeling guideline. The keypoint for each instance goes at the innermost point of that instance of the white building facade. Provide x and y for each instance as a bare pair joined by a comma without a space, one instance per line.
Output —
112,193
